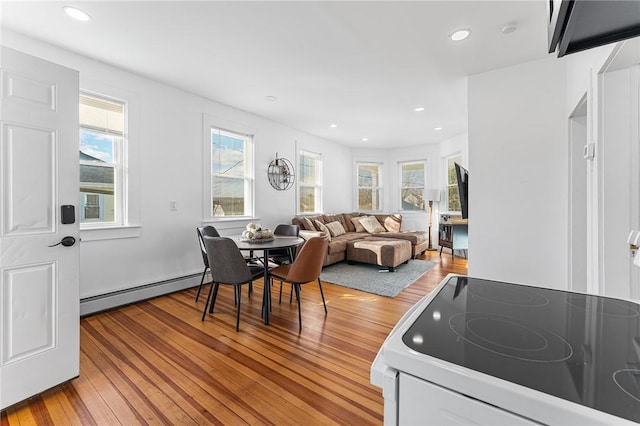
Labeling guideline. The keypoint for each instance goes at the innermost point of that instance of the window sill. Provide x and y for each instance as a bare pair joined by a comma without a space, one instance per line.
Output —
109,233
230,222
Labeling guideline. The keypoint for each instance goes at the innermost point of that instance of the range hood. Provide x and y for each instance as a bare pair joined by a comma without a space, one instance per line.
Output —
576,25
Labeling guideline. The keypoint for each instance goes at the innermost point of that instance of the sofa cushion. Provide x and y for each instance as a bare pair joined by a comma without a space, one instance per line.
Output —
335,228
392,223
416,237
348,223
371,225
339,244
357,225
323,228
308,224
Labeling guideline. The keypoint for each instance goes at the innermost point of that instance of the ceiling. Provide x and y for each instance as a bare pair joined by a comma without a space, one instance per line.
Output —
363,66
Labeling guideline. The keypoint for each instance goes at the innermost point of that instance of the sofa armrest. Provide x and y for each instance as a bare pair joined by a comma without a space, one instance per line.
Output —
304,234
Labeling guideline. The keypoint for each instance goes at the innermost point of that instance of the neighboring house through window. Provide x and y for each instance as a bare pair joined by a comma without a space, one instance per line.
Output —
452,196
310,182
369,186
412,184
102,159
231,174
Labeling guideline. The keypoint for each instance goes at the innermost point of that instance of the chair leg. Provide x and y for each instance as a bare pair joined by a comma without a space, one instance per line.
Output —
250,287
215,295
201,282
238,290
297,289
322,294
204,312
280,298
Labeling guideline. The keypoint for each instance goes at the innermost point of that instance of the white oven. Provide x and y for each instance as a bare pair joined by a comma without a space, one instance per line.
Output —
485,352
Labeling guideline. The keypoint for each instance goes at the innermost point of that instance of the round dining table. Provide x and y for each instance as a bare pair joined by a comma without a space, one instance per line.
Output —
278,242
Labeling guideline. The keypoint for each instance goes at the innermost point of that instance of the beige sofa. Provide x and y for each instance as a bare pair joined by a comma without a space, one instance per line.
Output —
390,227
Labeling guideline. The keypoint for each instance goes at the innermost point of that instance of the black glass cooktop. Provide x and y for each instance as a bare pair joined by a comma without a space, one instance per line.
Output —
578,347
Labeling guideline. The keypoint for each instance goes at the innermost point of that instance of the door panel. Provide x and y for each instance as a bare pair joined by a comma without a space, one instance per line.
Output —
30,331
28,205
39,295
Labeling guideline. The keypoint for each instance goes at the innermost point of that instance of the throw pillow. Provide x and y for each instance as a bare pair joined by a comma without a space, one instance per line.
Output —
335,228
322,228
357,224
371,225
308,224
393,222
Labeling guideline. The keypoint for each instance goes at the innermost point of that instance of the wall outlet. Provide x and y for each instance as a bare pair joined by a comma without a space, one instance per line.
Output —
173,206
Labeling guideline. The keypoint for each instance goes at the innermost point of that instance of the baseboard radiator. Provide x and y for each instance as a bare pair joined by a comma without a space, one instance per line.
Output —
103,302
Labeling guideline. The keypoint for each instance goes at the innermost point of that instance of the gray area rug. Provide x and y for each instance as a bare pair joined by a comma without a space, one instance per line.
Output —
365,277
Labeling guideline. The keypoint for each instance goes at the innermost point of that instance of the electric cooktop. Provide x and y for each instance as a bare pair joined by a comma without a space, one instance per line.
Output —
578,347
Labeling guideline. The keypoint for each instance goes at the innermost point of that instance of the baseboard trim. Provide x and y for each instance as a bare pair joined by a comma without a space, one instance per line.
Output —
104,302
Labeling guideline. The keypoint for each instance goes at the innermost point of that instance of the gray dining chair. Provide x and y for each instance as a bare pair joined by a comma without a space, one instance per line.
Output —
229,267
285,255
203,231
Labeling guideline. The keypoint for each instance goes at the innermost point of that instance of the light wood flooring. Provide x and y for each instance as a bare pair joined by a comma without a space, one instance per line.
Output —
156,363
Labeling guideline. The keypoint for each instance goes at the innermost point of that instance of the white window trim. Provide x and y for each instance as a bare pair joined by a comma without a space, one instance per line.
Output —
130,226
424,184
380,187
445,200
319,187
209,122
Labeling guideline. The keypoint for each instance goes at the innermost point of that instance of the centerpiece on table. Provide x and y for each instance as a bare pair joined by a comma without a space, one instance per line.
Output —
256,234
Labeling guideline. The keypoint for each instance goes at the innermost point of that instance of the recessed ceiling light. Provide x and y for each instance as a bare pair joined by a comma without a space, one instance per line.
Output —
460,35
365,139
78,14
437,128
271,98
509,28
333,126
418,109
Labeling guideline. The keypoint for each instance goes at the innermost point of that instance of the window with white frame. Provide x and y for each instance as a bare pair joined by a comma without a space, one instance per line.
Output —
232,182
452,196
310,182
412,184
369,186
102,160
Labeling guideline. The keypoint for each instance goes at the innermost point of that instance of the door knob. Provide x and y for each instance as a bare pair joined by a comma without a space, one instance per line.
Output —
67,241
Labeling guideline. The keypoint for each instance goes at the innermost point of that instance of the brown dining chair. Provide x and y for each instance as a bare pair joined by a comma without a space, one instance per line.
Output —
305,268
228,266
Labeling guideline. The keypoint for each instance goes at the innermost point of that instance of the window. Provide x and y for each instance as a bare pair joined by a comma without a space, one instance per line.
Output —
231,174
412,176
310,183
102,160
369,186
453,198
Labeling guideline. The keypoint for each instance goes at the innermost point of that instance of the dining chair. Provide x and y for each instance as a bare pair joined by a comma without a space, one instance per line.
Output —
284,255
305,268
210,231
228,266
203,231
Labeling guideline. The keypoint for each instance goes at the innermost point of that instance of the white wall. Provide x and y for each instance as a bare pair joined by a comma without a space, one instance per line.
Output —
518,160
168,146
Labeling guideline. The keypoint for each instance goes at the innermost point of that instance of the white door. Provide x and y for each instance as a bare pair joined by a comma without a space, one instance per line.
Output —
39,295
620,175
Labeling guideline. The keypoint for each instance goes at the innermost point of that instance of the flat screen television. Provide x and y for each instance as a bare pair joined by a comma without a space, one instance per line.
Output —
462,176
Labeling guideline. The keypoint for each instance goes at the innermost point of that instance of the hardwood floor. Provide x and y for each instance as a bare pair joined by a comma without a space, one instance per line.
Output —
155,362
